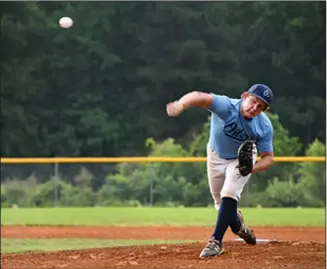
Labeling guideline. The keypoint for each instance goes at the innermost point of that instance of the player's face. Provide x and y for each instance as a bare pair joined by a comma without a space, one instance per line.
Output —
252,106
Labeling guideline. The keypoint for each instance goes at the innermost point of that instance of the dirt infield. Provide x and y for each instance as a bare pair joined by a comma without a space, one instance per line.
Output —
291,248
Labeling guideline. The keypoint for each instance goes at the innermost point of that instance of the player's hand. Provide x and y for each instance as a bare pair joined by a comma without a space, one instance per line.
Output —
174,108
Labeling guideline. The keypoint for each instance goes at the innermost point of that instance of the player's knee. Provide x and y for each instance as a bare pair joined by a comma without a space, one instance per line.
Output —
230,194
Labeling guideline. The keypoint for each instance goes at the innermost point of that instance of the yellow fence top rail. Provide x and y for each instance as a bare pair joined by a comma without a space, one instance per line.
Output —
142,159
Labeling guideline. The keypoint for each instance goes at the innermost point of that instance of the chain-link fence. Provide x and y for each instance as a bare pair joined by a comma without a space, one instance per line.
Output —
286,184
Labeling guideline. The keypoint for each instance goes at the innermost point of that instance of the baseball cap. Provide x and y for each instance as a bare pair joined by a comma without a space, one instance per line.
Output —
263,92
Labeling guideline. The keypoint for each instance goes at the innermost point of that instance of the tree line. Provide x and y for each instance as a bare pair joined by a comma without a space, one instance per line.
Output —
100,89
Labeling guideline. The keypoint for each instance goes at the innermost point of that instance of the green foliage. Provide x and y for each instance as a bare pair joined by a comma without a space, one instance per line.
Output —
77,196
283,193
313,176
170,184
46,194
65,92
169,180
199,144
307,189
284,145
16,192
84,178
100,89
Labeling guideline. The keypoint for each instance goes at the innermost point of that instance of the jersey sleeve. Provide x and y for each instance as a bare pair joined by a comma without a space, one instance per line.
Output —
265,144
220,105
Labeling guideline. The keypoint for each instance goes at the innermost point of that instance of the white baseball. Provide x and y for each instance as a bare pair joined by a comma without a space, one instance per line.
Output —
66,22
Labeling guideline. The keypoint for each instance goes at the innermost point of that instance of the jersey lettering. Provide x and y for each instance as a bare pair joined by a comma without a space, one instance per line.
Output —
233,131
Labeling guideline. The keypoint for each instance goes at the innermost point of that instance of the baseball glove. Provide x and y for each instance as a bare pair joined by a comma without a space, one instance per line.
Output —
245,157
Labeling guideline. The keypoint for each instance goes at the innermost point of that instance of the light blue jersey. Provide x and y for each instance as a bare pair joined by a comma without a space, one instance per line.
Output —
229,128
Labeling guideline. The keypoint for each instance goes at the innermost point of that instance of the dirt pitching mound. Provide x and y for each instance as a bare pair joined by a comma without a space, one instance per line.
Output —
238,255
290,248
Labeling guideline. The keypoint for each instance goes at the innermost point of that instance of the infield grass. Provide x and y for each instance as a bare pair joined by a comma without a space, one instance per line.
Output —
23,245
155,216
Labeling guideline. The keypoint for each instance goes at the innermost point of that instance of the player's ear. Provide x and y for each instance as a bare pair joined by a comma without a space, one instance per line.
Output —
244,95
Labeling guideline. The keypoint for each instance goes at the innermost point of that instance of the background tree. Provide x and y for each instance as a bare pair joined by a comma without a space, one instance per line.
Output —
100,88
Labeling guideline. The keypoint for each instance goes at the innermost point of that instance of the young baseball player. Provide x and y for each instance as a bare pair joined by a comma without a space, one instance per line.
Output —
238,128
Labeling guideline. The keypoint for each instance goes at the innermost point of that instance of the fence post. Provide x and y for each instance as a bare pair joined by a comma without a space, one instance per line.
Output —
56,177
151,185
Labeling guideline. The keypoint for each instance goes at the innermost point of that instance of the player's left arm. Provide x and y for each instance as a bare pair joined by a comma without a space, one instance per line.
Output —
265,147
266,160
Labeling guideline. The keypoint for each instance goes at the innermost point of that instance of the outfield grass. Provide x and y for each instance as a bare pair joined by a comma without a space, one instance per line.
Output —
148,216
23,245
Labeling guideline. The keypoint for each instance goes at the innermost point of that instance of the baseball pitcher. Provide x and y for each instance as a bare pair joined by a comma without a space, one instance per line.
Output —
238,130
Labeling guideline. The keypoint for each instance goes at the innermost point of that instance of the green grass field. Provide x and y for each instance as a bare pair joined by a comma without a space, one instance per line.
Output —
137,217
23,245
157,216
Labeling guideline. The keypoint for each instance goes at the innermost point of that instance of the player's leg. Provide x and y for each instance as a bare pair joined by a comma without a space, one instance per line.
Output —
232,189
216,167
230,195
226,215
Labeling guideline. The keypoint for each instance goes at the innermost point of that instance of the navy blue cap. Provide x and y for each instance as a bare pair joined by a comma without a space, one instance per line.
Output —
263,92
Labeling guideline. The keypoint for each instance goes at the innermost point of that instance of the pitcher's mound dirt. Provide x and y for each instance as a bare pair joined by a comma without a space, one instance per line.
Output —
156,232
299,248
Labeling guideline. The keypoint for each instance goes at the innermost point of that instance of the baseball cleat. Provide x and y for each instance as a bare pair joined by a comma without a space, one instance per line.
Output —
246,233
212,249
